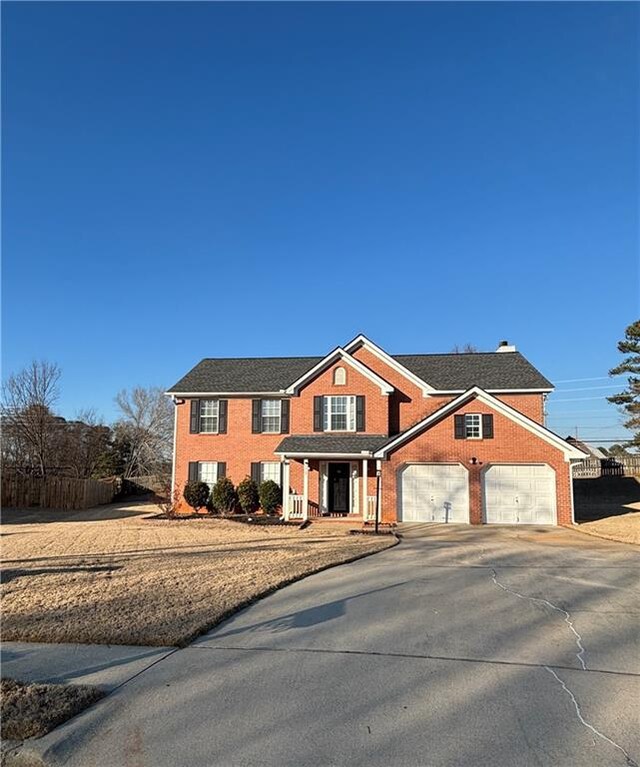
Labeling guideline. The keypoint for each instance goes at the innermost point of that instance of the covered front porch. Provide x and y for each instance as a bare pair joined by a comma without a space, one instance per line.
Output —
327,477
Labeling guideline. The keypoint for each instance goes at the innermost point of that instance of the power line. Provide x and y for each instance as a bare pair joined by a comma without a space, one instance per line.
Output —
579,399
578,380
590,388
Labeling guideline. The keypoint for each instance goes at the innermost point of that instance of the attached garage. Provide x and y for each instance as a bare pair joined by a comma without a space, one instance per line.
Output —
434,493
522,494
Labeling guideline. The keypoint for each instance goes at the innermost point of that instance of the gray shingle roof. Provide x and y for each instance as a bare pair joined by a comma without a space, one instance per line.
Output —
331,443
490,370
246,374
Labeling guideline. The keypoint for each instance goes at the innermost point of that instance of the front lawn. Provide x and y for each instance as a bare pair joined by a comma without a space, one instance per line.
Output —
131,580
32,710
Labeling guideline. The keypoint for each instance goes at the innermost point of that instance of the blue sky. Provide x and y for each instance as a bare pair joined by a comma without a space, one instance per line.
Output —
186,180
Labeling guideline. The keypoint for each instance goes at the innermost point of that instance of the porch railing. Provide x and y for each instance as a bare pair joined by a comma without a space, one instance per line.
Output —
296,507
371,507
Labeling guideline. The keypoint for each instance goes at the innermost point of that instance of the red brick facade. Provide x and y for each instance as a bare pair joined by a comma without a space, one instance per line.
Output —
386,414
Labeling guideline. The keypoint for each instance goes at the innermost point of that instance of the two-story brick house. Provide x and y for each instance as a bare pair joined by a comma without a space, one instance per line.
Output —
434,437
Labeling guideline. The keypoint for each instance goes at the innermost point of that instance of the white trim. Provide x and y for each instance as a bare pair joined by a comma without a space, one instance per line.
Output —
494,391
365,483
573,510
229,394
175,440
363,341
339,354
476,392
329,456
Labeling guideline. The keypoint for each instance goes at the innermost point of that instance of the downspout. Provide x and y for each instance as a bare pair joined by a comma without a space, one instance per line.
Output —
175,435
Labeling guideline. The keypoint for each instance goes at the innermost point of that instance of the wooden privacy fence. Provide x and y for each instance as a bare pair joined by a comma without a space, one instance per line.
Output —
622,466
55,492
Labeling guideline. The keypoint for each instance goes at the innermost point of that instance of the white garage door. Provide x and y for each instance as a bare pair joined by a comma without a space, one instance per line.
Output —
434,493
522,494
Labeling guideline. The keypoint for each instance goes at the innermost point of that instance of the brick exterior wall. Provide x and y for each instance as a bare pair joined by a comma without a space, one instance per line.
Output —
511,443
239,447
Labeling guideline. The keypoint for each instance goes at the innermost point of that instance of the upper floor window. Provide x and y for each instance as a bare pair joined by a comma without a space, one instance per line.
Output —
339,377
473,426
209,415
270,416
340,413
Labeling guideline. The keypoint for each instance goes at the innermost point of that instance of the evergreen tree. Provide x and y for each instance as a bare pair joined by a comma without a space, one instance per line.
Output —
629,399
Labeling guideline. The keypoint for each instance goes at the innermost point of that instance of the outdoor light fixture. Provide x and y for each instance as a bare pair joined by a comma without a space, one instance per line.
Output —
474,461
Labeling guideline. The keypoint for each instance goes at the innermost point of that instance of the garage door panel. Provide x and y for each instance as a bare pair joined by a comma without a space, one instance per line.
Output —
434,493
520,494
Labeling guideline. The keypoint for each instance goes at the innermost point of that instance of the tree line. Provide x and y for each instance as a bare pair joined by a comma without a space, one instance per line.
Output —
37,441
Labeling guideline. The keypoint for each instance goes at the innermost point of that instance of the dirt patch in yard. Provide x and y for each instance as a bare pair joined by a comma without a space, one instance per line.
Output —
32,710
131,580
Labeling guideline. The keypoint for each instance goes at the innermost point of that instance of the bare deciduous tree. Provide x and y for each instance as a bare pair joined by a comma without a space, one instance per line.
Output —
28,420
147,424
466,349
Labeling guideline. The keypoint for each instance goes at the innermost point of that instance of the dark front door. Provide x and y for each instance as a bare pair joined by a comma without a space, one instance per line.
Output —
338,488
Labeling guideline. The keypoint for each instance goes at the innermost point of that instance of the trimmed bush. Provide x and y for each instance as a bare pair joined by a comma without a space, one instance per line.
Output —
270,496
224,498
196,494
248,495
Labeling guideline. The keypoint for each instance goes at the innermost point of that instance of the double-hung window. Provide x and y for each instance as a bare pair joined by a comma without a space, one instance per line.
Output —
270,470
271,416
208,472
340,413
473,426
209,412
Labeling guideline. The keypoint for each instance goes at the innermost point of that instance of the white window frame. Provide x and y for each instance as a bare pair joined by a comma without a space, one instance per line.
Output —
329,414
274,469
278,415
210,416
212,473
472,426
340,376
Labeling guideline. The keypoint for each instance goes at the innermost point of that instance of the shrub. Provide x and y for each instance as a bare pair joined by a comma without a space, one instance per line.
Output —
224,498
270,496
248,495
196,494
167,501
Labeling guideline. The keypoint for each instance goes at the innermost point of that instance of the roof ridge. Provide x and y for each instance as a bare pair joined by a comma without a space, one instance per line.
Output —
451,354
239,359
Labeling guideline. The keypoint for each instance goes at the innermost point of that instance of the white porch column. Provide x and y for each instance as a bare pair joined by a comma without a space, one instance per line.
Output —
285,490
365,472
305,490
379,486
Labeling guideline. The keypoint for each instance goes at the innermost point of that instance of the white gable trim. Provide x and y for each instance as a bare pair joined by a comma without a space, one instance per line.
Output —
363,341
344,356
570,452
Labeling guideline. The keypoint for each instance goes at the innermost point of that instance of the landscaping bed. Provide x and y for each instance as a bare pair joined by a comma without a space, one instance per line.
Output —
131,580
31,710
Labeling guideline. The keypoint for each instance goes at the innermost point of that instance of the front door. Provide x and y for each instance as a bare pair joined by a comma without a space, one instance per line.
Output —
338,488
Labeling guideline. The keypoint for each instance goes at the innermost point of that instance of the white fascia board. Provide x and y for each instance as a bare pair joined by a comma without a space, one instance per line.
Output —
337,456
362,340
493,391
569,451
340,354
227,394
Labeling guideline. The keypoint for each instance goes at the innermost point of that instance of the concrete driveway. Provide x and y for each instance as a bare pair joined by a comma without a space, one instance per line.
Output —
459,647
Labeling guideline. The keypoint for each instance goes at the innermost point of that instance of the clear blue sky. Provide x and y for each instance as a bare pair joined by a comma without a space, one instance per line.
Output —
188,180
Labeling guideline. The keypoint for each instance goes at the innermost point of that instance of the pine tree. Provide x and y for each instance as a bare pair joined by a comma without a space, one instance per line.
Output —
629,399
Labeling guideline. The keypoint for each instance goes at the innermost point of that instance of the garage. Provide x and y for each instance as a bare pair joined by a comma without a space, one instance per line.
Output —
523,494
434,493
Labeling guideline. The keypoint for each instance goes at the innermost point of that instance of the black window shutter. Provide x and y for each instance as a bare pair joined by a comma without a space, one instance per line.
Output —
360,413
487,426
459,430
255,472
256,416
284,416
318,413
222,469
195,417
193,471
222,416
